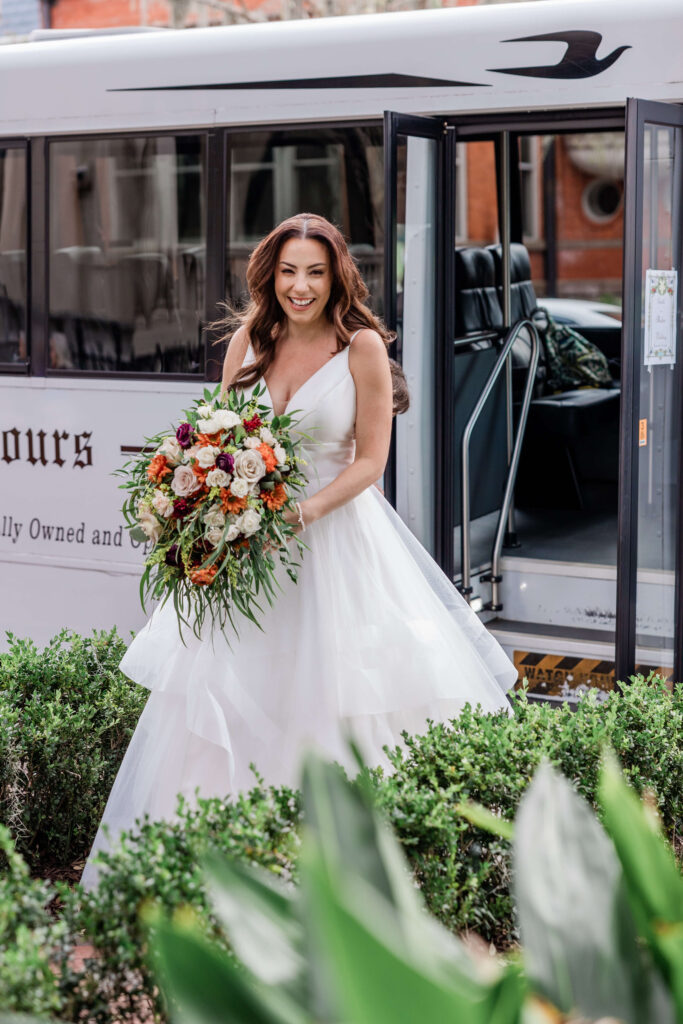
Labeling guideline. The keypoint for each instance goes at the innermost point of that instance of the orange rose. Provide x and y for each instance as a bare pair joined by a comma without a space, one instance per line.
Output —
201,577
158,469
274,499
229,503
268,456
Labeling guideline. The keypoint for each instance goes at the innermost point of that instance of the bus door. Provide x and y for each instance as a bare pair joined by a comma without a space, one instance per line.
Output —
419,228
650,602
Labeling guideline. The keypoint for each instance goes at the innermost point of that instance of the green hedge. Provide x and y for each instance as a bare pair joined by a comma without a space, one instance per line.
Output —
55,778
66,716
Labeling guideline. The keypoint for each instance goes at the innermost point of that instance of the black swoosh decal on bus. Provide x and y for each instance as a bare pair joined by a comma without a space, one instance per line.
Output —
389,81
579,60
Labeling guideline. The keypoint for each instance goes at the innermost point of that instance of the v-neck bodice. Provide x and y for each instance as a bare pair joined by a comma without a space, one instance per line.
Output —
324,409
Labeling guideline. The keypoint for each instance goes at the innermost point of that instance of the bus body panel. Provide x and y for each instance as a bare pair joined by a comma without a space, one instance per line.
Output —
204,77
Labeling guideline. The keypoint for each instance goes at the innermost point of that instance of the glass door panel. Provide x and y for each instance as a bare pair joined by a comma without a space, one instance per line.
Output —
651,528
413,148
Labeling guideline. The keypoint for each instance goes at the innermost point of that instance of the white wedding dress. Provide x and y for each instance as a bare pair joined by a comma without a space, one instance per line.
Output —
372,640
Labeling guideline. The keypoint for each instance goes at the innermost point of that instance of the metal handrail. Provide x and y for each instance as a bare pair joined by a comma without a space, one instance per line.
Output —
466,587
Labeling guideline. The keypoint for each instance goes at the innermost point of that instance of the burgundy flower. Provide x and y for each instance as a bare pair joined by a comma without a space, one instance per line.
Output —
225,462
254,423
181,508
185,435
173,556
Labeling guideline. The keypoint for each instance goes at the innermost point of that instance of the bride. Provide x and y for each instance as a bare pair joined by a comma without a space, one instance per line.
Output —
373,639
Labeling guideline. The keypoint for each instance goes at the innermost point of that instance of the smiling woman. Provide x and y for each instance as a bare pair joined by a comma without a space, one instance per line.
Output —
373,639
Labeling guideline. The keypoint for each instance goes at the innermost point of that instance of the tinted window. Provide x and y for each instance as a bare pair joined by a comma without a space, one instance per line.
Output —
335,172
127,253
12,255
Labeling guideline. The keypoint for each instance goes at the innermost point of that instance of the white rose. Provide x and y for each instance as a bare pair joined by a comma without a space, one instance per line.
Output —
249,521
149,524
226,418
233,532
280,454
267,435
249,465
214,535
206,456
193,452
239,487
208,426
171,449
215,516
162,503
184,482
217,478
205,411
251,442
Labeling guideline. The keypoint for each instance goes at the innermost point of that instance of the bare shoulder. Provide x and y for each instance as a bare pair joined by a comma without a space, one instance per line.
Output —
235,354
368,353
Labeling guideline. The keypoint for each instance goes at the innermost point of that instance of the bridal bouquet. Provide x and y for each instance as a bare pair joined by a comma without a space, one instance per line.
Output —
210,498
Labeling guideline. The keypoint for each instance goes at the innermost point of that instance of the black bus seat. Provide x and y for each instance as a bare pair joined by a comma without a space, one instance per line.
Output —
477,306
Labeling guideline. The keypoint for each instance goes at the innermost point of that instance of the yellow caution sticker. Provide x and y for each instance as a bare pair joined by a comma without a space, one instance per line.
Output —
552,674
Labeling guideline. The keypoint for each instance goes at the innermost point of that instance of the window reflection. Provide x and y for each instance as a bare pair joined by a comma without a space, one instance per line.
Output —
127,254
334,172
12,255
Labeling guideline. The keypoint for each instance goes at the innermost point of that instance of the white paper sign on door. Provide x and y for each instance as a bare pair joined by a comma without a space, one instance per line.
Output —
660,317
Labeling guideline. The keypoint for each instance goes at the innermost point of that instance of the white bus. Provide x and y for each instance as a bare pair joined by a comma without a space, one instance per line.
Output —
481,162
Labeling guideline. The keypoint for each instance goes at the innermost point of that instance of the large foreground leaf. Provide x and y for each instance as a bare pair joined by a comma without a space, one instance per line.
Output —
579,936
655,886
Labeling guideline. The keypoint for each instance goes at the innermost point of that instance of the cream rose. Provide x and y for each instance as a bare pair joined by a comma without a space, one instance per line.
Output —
267,435
249,465
205,411
206,456
171,449
226,418
149,524
280,454
214,535
239,487
233,532
215,516
249,521
251,442
184,482
208,426
162,503
217,478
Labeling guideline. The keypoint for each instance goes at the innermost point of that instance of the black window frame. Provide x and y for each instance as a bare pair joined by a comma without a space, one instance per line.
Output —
23,368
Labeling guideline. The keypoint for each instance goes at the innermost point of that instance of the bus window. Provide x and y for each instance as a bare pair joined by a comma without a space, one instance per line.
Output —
335,172
127,243
12,257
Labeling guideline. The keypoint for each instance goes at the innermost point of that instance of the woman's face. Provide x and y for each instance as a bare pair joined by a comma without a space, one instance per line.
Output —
303,279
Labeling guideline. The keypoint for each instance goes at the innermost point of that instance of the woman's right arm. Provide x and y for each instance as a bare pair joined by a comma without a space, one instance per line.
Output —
234,358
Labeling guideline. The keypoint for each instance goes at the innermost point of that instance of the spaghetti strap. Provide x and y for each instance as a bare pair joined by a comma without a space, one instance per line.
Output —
355,334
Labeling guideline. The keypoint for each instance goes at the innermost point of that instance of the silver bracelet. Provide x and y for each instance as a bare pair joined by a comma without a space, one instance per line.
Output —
300,515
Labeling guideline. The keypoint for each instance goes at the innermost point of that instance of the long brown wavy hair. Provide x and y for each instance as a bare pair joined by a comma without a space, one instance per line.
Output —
264,318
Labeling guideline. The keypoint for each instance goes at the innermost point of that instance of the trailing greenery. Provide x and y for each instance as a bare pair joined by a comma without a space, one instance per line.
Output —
66,716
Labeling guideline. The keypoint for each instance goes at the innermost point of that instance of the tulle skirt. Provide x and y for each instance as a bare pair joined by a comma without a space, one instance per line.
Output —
372,640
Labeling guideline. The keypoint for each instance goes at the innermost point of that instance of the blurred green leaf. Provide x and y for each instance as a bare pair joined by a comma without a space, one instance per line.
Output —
654,883
259,919
375,982
484,819
203,987
579,936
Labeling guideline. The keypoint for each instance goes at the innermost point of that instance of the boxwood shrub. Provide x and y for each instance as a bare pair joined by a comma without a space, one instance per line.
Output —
66,716
464,873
